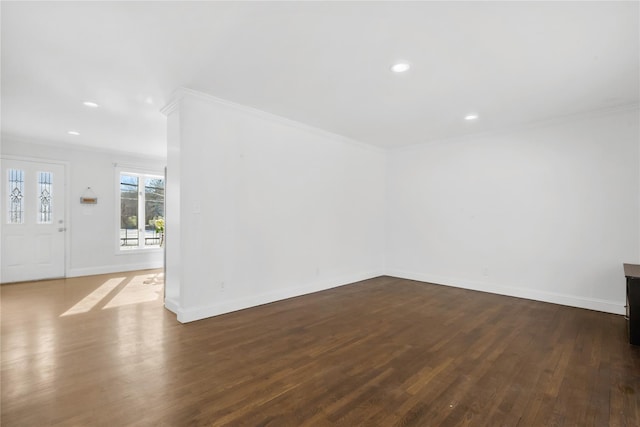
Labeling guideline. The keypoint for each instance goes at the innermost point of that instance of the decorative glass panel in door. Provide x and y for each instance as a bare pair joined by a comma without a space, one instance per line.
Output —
45,194
15,194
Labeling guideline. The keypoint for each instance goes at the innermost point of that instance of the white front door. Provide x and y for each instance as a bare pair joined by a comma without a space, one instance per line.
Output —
33,227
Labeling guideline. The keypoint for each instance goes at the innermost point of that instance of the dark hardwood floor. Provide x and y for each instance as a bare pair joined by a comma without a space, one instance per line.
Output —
102,350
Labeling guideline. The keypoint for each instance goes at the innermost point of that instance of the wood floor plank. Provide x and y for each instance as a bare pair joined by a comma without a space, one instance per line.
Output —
101,350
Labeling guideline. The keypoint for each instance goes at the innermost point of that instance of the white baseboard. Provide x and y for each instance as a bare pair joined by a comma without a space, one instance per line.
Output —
606,306
107,269
172,305
197,313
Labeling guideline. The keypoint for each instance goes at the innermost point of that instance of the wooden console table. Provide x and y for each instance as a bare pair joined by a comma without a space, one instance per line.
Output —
632,273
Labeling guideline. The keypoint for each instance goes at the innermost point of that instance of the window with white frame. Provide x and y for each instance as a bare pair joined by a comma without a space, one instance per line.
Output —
141,211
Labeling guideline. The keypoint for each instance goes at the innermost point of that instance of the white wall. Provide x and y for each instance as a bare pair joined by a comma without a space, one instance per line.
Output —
268,208
548,213
91,241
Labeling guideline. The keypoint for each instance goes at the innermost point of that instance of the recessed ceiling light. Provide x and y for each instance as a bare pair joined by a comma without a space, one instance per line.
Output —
471,117
73,132
90,104
400,67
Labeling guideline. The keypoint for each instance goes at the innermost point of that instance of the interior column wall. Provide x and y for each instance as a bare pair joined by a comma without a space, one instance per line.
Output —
268,209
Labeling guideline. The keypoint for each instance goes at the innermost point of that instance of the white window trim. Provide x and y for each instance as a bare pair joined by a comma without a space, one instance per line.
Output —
143,173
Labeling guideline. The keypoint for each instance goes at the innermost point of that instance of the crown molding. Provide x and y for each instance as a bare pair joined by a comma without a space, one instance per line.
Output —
172,105
553,121
22,139
183,92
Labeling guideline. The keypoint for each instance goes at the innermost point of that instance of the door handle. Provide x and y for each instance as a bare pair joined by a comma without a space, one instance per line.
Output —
62,229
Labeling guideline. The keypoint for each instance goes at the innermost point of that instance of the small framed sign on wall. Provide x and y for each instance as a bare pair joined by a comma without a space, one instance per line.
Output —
89,197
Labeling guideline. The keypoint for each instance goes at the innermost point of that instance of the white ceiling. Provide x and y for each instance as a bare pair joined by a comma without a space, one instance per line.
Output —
325,64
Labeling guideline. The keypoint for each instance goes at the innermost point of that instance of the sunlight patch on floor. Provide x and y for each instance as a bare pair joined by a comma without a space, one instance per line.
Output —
140,289
91,300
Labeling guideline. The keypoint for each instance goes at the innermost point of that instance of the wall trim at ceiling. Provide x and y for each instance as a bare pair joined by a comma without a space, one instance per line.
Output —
182,92
553,121
78,147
